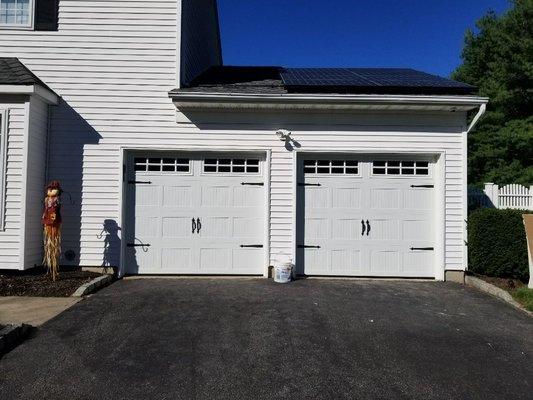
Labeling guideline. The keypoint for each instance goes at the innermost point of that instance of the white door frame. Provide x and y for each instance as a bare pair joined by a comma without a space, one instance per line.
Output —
123,175
439,198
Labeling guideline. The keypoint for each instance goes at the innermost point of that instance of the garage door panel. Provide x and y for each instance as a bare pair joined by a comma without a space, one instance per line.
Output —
317,197
215,196
177,227
148,195
346,198
178,196
195,215
246,227
248,196
385,262
418,199
346,229
417,263
385,198
176,260
367,222
345,261
416,230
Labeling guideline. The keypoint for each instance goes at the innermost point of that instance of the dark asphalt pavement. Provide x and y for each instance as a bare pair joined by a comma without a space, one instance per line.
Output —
254,339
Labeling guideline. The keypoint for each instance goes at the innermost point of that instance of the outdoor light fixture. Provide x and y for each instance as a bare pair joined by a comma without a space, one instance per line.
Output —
283,135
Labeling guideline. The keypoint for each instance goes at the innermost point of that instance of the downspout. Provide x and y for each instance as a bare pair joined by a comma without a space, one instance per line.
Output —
481,111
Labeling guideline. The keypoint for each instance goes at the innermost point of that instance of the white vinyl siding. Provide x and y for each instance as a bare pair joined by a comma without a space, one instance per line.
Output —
10,236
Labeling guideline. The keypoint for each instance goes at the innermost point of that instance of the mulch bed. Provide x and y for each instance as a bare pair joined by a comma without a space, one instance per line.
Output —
37,284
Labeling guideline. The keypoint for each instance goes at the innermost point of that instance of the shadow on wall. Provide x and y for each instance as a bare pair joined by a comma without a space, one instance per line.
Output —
69,135
112,244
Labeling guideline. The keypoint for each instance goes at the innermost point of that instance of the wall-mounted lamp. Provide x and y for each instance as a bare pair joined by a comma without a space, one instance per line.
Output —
283,135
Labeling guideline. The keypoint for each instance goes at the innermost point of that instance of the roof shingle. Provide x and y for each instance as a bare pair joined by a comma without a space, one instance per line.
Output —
278,80
13,72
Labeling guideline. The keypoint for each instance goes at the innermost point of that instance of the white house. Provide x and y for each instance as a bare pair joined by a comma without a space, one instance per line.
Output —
174,164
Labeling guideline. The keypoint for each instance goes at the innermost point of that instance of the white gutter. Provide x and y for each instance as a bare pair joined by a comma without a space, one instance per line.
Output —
237,100
30,90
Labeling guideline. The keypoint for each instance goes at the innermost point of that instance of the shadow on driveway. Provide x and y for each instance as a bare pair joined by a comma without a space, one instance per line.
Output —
254,339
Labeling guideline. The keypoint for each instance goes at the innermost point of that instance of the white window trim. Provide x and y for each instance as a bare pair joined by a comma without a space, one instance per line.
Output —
3,165
29,25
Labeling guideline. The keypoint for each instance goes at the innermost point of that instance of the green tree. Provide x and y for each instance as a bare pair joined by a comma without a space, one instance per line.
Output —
498,59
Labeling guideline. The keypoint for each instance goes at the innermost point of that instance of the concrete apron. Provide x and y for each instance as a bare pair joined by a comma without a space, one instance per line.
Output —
34,311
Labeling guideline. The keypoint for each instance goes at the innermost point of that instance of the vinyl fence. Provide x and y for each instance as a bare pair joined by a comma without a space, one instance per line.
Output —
509,196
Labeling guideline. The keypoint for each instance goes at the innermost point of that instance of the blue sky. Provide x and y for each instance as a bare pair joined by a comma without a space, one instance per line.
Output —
421,34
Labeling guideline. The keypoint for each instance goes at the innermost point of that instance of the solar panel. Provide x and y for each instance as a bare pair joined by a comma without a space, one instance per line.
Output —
364,77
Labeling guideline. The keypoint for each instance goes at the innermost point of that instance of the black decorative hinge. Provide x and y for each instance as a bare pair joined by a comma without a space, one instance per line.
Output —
140,182
309,184
256,246
422,248
138,245
304,246
423,186
253,183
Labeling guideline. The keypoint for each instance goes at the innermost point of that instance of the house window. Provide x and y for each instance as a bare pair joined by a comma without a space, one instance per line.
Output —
400,168
331,167
231,165
16,13
162,164
3,164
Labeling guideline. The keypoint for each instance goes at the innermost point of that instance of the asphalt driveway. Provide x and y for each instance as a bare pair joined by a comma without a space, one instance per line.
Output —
254,339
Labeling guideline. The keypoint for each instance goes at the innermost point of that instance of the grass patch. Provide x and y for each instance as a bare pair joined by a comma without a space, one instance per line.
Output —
524,296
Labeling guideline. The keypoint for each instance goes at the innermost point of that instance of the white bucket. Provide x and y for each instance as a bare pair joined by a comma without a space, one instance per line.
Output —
283,272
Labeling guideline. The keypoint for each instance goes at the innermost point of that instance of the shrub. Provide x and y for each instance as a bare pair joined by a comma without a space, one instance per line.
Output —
497,243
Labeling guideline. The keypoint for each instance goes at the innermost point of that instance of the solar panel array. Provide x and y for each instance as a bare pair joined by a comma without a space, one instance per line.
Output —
364,77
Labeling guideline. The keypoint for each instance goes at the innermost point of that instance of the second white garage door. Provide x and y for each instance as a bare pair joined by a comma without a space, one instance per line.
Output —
366,216
195,214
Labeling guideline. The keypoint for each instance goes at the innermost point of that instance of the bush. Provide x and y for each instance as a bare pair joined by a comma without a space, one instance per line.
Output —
497,243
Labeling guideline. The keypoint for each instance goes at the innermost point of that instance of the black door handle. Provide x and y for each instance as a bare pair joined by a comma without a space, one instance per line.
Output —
198,225
193,225
367,228
363,225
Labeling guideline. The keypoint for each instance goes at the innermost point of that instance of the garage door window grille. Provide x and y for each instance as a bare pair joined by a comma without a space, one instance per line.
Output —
162,164
331,167
407,168
231,165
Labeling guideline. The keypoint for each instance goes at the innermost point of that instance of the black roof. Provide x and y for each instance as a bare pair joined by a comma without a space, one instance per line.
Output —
13,72
279,80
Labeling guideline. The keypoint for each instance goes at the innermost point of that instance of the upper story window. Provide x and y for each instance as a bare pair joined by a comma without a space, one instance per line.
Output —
16,13
39,15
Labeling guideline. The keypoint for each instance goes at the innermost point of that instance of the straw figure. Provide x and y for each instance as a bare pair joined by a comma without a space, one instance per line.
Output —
51,221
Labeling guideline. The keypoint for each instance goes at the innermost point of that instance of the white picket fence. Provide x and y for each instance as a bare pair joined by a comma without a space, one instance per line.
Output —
509,196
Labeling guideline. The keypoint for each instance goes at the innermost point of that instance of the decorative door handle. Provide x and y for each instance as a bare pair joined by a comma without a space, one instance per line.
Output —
198,225
193,225
363,225
367,228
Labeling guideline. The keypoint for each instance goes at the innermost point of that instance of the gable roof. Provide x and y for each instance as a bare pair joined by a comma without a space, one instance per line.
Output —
279,80
13,72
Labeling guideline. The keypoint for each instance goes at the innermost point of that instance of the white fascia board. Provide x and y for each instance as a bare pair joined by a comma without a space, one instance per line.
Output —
30,90
326,101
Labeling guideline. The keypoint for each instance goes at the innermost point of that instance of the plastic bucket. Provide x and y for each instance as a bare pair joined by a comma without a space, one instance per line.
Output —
283,273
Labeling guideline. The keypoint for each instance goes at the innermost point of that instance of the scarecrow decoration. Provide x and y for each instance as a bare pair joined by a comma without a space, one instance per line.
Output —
51,221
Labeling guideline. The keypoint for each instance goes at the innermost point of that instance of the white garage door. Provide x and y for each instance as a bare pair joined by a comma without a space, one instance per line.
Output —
195,214
371,216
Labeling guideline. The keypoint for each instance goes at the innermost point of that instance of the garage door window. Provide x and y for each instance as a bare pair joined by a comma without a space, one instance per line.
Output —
162,164
331,167
407,168
231,165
